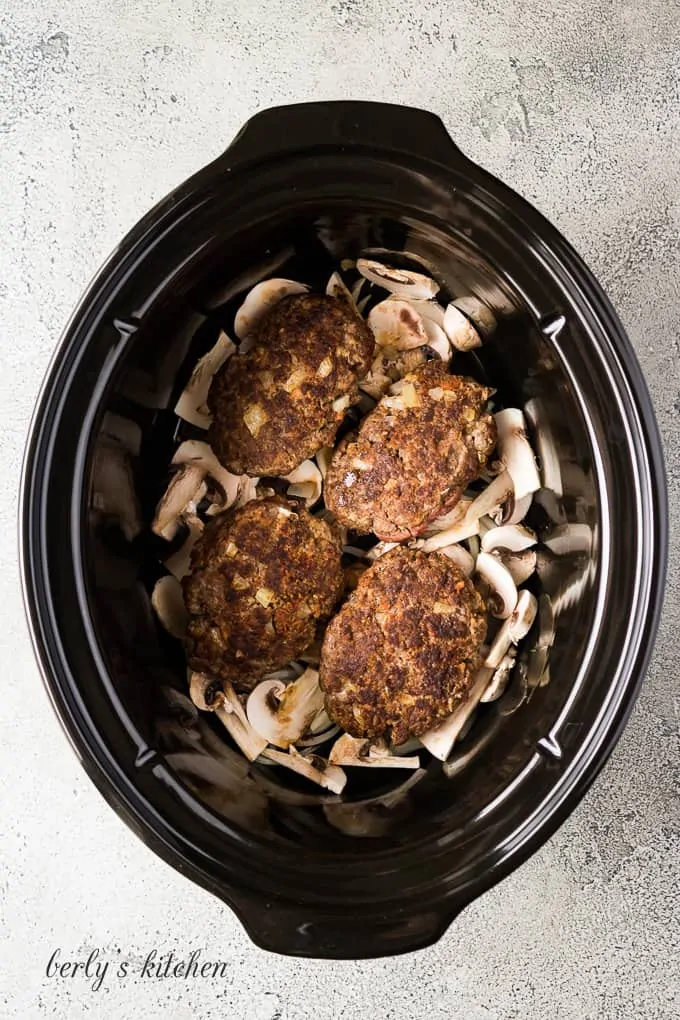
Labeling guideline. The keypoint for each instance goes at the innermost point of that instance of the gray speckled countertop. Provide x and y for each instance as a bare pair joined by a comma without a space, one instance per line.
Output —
103,108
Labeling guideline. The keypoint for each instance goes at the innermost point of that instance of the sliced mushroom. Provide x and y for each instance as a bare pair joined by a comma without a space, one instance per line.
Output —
441,739
510,536
551,469
378,550
464,560
323,458
357,752
192,405
404,283
459,330
521,565
480,314
312,767
337,288
500,679
260,299
167,600
493,497
283,713
198,454
516,453
454,516
212,695
515,510
450,536
504,593
306,482
179,563
395,324
437,340
177,499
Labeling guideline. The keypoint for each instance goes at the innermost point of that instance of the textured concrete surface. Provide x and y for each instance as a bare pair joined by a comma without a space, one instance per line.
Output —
103,108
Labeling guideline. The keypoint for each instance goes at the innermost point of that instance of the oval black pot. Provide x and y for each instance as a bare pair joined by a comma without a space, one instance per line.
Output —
304,186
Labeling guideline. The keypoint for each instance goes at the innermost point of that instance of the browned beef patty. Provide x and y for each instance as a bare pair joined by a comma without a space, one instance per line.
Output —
262,578
413,456
401,653
284,399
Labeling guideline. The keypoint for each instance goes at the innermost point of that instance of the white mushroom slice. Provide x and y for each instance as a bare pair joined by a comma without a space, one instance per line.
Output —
192,405
376,551
457,533
353,751
516,453
441,739
323,458
551,469
167,600
306,482
337,288
569,538
437,340
404,283
283,713
459,330
490,499
464,560
481,315
513,537
515,510
197,453
260,299
504,598
211,695
500,679
521,565
179,495
317,769
395,324
454,516
179,564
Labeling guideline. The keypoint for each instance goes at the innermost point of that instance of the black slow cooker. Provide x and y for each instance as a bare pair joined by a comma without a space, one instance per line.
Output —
388,868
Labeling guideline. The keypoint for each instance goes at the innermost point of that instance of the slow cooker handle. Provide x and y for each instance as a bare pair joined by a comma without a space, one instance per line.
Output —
291,931
384,126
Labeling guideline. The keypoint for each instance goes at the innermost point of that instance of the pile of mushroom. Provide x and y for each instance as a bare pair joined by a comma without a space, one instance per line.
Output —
283,720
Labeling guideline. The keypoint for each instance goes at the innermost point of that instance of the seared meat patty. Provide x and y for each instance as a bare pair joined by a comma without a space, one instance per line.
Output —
262,577
413,456
282,400
401,653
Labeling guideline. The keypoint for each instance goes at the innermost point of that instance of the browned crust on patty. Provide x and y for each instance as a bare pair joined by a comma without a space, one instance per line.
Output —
273,406
268,549
401,653
409,464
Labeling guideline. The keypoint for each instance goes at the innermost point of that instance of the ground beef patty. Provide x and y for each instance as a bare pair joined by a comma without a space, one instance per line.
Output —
284,399
413,456
401,653
262,577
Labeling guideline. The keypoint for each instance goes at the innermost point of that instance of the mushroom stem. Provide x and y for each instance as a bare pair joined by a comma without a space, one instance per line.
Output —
348,750
465,528
491,498
180,493
196,453
314,768
441,739
516,453
212,695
